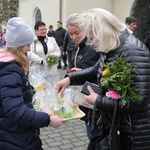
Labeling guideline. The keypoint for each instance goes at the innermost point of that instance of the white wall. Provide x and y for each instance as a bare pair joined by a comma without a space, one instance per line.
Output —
50,9
122,8
75,6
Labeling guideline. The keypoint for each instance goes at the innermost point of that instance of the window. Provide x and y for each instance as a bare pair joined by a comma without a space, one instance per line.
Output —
38,16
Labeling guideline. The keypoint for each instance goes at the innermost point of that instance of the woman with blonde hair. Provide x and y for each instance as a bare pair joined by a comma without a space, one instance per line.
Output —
108,33
19,122
84,57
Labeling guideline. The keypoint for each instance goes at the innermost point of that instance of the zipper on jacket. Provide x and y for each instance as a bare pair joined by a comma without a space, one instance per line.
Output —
88,117
37,132
98,120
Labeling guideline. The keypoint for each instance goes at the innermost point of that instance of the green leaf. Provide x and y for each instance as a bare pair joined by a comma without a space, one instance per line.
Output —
120,79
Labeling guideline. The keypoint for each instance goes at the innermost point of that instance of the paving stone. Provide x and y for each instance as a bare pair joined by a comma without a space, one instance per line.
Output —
67,146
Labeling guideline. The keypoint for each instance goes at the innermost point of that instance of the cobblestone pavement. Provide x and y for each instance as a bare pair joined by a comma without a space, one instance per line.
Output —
69,136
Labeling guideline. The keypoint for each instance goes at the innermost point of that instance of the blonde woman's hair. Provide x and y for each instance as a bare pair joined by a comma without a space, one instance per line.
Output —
75,20
19,57
105,28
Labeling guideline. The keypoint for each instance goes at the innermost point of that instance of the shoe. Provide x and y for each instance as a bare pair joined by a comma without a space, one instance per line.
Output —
64,68
58,67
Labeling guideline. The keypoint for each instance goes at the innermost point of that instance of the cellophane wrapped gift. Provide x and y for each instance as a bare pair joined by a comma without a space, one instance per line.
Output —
46,100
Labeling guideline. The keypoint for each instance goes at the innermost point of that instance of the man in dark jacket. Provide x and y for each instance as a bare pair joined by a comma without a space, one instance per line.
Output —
69,46
59,37
131,24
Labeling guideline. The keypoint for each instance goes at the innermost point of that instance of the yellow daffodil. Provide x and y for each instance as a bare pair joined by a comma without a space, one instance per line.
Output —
40,87
105,72
118,77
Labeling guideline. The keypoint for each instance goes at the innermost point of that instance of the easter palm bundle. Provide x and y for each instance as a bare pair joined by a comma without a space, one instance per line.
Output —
118,78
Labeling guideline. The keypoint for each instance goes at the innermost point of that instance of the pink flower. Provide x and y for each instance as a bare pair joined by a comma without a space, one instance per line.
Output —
113,95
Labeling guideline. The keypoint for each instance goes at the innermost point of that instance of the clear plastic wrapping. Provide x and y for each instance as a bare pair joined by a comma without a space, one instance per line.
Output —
46,100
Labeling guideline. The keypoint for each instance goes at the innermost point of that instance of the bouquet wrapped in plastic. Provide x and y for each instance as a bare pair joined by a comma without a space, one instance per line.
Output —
46,100
51,60
50,66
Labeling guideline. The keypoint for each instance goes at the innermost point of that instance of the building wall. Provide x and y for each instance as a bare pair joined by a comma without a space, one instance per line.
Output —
122,8
75,6
51,10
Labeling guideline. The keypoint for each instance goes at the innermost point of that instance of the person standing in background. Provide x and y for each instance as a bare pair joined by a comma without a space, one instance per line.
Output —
69,46
51,32
41,48
131,24
19,122
59,36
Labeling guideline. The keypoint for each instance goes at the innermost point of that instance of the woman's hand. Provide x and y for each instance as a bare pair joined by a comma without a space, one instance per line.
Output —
62,85
73,70
92,97
76,69
56,121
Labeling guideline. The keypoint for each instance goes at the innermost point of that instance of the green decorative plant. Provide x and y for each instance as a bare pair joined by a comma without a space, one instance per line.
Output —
118,79
51,60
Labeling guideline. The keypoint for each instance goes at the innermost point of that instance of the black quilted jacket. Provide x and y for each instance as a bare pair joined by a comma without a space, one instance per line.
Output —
135,119
86,57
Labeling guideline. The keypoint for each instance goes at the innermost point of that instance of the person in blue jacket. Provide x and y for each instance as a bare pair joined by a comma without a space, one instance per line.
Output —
19,122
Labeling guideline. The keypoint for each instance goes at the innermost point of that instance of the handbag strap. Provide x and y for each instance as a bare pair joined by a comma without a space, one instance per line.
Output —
113,118
93,116
112,125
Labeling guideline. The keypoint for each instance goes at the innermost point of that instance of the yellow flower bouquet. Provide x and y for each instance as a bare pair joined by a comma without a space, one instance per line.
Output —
118,80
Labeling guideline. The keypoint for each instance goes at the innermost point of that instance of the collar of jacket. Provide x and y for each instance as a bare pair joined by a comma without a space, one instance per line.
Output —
83,42
36,39
124,35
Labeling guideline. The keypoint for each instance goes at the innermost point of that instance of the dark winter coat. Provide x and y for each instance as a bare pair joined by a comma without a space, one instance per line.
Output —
147,41
86,57
59,36
19,123
51,34
68,44
135,119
